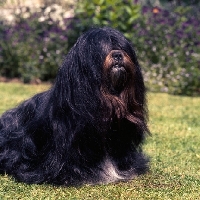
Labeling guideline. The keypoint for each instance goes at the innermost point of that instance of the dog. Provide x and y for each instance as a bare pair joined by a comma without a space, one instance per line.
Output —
89,127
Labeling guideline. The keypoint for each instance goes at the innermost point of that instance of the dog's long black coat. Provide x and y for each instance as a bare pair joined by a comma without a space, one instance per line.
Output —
81,130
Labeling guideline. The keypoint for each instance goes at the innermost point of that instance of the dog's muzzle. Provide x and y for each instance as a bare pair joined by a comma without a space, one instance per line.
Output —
118,74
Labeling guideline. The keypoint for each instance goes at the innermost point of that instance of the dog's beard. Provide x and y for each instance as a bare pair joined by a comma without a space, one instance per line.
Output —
118,67
118,77
118,86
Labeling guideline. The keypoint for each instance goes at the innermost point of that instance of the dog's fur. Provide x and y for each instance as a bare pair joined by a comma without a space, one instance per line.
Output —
89,126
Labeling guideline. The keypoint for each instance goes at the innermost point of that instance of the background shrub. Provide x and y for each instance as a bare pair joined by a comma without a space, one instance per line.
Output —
34,46
168,45
119,14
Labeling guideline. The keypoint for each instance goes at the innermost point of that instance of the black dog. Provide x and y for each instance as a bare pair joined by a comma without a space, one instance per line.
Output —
89,127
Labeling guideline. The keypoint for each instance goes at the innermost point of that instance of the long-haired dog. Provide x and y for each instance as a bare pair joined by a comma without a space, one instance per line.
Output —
89,126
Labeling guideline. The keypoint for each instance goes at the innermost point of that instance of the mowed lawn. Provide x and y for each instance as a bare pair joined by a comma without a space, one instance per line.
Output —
174,149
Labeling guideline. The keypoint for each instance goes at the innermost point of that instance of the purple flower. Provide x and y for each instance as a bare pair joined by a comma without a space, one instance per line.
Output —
145,9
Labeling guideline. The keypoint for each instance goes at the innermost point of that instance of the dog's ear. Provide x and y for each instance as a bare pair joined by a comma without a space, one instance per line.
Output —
79,78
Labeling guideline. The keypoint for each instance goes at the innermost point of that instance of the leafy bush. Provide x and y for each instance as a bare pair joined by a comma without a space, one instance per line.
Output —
34,46
119,14
168,45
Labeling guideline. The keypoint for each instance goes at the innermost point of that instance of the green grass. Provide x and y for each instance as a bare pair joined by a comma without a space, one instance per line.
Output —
174,148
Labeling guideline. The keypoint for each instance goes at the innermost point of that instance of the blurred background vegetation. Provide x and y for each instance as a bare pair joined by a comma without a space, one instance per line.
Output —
34,38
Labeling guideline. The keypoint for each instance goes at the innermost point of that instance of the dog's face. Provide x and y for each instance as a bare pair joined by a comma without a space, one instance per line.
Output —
118,70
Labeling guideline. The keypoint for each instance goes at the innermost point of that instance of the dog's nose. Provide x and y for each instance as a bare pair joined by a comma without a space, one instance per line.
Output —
117,56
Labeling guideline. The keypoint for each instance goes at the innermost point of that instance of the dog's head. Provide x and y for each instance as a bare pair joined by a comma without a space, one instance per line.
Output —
101,73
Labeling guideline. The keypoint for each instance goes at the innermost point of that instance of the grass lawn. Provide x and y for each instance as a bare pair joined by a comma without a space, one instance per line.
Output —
174,148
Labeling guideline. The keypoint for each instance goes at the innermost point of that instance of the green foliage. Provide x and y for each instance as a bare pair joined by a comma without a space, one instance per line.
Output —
119,14
173,149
